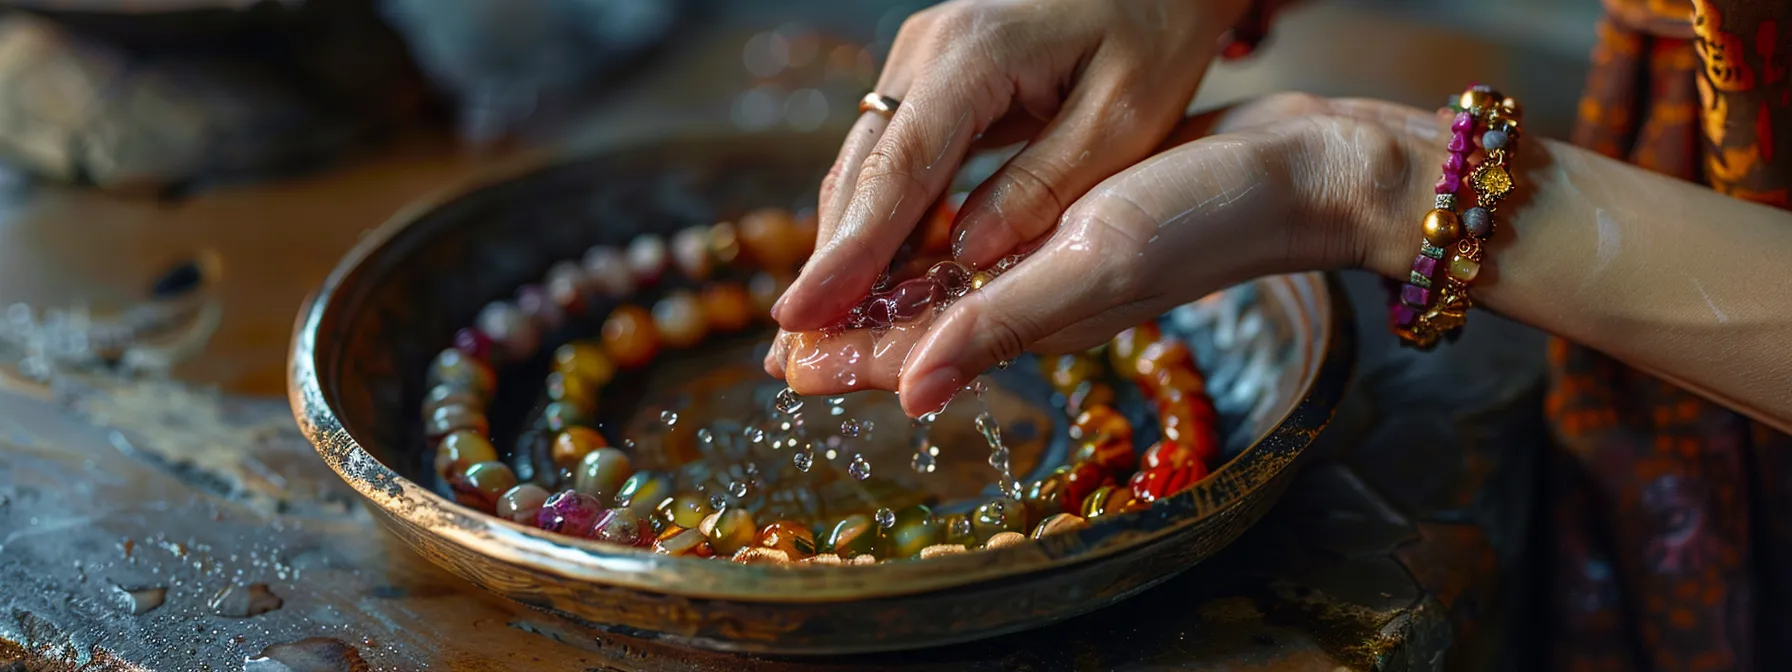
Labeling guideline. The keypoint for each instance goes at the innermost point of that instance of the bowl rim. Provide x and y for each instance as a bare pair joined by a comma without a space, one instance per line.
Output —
405,502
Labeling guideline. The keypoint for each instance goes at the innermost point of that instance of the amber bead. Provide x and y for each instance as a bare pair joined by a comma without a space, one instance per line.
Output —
449,395
1066,372
791,537
1083,478
461,449
685,510
1160,355
1089,395
981,278
457,369
456,417
1059,524
601,473
996,516
1004,539
915,528
624,528
1442,228
729,530
856,535
772,238
1109,499
558,417
630,336
522,503
727,306
1176,382
572,390
690,252
1190,422
585,360
647,258
1112,456
1169,453
724,242
1101,424
683,541
644,492
1047,496
1125,348
679,319
1151,485
572,444
482,484
764,290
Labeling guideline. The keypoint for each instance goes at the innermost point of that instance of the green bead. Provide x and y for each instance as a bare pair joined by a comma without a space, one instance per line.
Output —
856,535
644,491
686,510
915,529
732,530
558,416
996,516
602,473
957,529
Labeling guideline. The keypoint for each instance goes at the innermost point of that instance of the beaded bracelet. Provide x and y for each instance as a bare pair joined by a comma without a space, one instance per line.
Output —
1415,315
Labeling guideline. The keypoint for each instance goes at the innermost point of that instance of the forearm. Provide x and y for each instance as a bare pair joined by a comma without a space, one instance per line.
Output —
1665,275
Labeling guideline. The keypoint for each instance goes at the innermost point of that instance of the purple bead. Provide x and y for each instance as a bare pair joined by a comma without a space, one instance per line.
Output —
1460,144
1424,265
1415,296
1456,164
1448,184
570,513
472,342
1403,315
913,297
1463,123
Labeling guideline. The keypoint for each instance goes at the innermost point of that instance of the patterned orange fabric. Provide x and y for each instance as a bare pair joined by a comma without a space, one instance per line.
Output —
1673,539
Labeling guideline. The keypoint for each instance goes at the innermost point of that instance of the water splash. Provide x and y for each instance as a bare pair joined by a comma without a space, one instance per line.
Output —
787,402
859,469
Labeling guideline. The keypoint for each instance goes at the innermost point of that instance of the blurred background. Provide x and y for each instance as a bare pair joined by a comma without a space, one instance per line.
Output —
150,144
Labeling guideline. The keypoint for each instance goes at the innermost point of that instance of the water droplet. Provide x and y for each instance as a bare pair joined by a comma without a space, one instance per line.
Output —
738,488
859,468
669,418
706,438
929,418
961,527
836,401
628,445
804,458
851,428
1003,365
718,502
787,401
978,387
923,462
989,428
886,518
999,459
757,435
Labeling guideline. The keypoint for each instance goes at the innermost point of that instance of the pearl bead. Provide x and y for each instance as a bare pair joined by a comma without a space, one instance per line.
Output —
1495,139
647,258
1477,222
606,272
1464,269
1442,228
679,319
690,250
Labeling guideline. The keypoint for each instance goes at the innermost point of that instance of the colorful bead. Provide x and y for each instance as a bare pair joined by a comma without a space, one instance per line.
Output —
771,237
690,252
1448,184
482,484
724,242
559,417
1101,424
534,303
1442,228
915,529
1126,347
1446,202
1429,250
1111,456
630,337
1110,499
998,515
571,513
1402,315
981,278
473,343
572,444
1066,372
623,528
1082,479
941,550
1005,539
1463,122
791,537
1494,139
647,258
448,395
565,285
1424,266
457,369
522,504
573,390
685,510
1464,269
514,335
1176,383
729,530
1476,98
1415,296
1151,485
1059,524
644,491
679,319
1170,454
953,278
1089,395
1190,423
607,272
1162,354
461,449
855,535
1459,145
755,555
727,306
455,417
585,360
1477,221
1046,496
683,542
1456,163
602,472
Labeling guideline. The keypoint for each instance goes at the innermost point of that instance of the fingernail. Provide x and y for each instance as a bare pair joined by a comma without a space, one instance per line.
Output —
934,389
778,306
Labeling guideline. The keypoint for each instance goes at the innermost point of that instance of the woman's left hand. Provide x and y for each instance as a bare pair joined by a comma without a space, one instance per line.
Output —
1290,183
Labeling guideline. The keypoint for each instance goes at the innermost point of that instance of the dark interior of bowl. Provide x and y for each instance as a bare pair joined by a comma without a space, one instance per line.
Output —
1277,353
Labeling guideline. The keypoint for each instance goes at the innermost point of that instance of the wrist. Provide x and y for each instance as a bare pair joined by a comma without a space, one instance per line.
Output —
1358,189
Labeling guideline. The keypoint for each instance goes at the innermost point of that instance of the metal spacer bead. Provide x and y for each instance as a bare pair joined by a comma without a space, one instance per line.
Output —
1446,202
1429,250
1419,279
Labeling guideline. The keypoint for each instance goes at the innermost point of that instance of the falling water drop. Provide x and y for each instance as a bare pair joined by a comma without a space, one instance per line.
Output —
886,518
706,439
851,428
738,488
1004,364
787,401
718,502
859,468
961,527
989,428
924,462
804,458
669,418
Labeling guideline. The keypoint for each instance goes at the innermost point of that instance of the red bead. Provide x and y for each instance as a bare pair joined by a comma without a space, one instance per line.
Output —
473,342
1160,355
1113,456
1155,484
1235,50
1169,453
1083,479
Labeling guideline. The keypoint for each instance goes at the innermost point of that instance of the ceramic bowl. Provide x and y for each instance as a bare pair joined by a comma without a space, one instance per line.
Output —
1277,352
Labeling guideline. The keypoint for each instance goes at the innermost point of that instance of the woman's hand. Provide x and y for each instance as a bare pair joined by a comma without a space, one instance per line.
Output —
1290,183
1093,86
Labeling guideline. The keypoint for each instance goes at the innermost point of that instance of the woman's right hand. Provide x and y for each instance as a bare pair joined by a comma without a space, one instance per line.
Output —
1092,86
